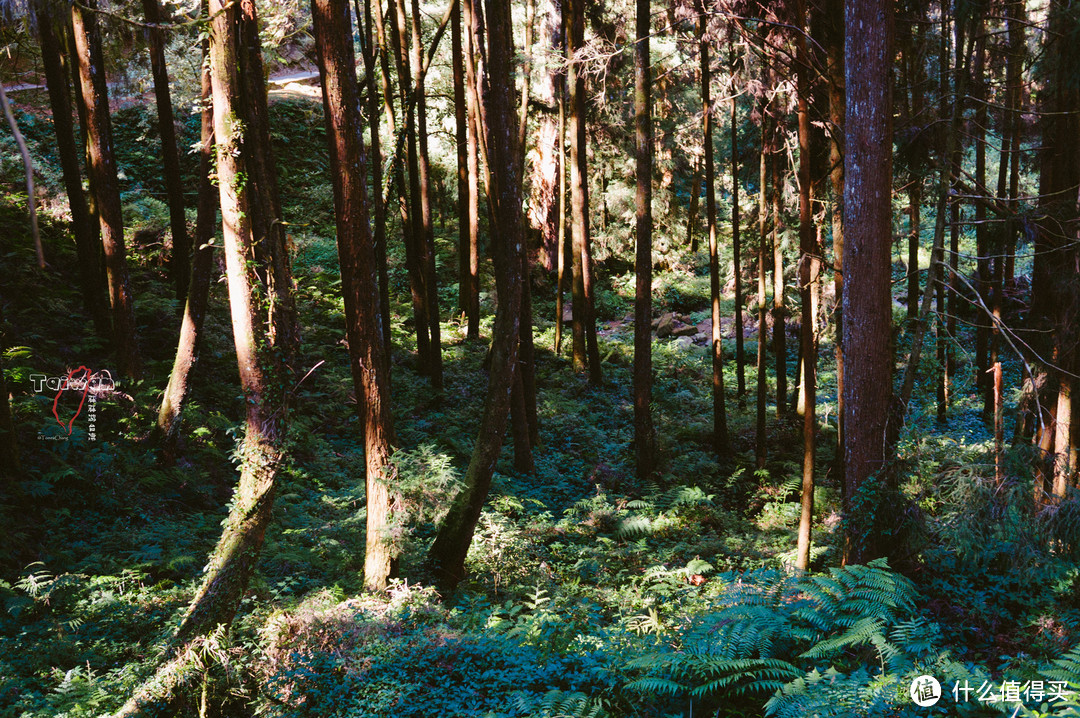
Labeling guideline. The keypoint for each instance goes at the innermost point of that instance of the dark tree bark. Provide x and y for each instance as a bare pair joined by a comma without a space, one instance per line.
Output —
52,30
202,266
104,185
461,145
451,545
356,253
409,186
472,102
834,12
180,259
586,349
807,280
263,376
692,210
378,207
867,235
426,236
720,432
760,442
779,311
736,239
644,435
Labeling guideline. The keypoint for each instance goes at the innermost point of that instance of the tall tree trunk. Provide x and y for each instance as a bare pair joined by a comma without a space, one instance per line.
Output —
263,376
104,184
834,11
356,253
52,30
982,249
187,348
808,271
546,168
762,384
472,101
867,238
644,435
586,349
560,279
461,144
378,207
180,259
736,240
409,187
779,311
426,236
720,432
451,545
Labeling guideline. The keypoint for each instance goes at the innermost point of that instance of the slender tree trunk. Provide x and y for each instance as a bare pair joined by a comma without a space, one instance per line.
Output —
720,432
263,376
409,187
461,144
692,210
451,545
779,311
356,253
378,207
176,394
736,240
180,259
982,250
51,31
807,280
102,169
762,385
644,435
867,235
584,327
560,281
835,68
472,101
426,237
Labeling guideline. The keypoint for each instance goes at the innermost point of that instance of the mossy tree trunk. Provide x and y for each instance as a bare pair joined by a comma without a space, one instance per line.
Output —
448,552
260,353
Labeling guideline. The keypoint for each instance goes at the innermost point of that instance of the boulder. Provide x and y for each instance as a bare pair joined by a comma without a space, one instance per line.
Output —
666,325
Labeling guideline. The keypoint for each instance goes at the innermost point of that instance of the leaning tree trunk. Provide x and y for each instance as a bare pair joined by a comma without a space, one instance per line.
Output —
104,183
356,253
867,276
51,30
644,435
451,545
181,245
263,376
202,267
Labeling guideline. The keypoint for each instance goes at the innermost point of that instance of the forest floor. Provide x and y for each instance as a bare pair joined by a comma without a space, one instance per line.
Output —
589,592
